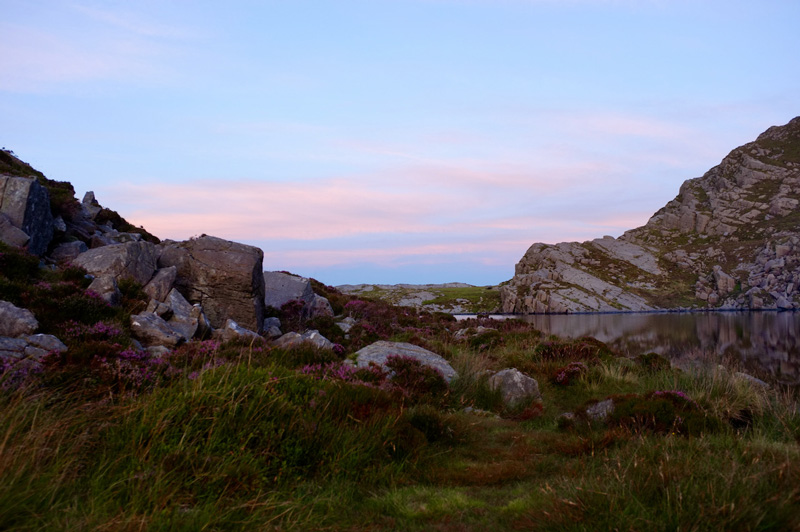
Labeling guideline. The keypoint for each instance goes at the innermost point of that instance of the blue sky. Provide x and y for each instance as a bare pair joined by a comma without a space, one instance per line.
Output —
391,140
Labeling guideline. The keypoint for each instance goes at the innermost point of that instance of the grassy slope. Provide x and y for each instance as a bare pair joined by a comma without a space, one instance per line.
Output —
237,437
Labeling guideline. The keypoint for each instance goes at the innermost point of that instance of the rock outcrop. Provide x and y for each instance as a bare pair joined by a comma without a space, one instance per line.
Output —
730,239
225,278
378,352
25,208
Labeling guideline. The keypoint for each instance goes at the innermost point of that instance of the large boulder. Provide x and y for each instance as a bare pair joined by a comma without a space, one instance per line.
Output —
379,351
15,321
26,204
224,277
134,260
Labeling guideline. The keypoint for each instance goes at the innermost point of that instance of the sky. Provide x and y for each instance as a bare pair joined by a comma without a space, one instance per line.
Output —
391,141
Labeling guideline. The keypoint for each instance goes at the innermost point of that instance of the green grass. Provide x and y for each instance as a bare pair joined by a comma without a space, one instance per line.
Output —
473,299
241,437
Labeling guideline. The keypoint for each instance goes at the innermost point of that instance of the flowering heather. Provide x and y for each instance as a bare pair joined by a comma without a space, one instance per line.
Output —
99,330
569,373
674,395
91,294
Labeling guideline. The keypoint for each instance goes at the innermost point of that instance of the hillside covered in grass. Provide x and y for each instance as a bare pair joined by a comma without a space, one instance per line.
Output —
229,429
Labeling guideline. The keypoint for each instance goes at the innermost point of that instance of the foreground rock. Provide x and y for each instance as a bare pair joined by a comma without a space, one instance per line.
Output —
730,239
27,352
378,352
15,321
224,277
151,330
312,337
515,387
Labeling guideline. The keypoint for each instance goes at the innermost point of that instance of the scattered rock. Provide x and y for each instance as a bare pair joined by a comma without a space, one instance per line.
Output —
472,332
68,251
346,324
515,387
106,287
10,234
317,307
152,330
15,321
232,331
293,339
380,351
161,283
600,411
752,380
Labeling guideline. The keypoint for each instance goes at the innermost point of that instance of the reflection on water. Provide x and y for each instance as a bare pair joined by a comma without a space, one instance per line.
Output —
767,341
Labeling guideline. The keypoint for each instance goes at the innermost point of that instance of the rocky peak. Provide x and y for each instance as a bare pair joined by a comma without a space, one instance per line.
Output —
728,239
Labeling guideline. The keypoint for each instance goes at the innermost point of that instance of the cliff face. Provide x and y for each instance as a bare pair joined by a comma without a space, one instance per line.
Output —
730,239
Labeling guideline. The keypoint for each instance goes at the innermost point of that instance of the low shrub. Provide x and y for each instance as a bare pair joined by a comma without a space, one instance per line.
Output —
568,374
662,412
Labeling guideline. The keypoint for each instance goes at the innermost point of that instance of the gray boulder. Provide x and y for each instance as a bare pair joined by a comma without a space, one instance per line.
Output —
68,251
293,339
26,204
280,288
600,411
161,283
471,332
232,331
48,342
15,321
160,309
272,328
317,307
224,277
106,287
185,318
380,351
134,260
152,330
27,352
11,234
91,208
515,387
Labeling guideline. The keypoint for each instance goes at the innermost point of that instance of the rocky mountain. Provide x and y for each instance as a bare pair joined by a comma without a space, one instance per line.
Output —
729,240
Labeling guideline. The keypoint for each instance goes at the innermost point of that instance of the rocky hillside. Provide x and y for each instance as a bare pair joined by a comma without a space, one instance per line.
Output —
730,239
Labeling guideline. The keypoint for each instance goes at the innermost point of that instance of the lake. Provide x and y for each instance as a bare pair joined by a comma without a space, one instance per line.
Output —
762,342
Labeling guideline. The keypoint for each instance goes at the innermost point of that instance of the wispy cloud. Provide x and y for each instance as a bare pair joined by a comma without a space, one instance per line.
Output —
89,45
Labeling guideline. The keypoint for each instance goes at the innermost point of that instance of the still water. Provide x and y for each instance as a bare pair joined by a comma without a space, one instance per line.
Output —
764,342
